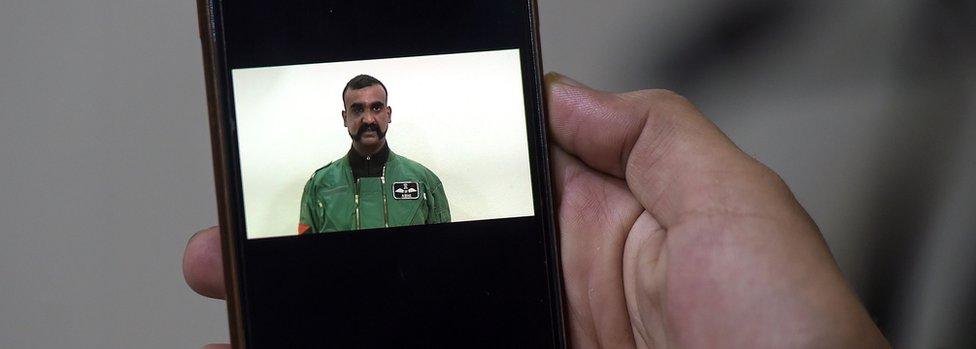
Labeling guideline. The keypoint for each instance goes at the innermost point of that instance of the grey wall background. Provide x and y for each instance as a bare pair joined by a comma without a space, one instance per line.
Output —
866,109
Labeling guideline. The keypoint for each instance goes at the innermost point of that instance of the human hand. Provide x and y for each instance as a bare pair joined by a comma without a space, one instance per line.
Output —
671,236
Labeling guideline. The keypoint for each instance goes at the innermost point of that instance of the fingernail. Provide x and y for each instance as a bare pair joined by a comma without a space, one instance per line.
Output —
556,78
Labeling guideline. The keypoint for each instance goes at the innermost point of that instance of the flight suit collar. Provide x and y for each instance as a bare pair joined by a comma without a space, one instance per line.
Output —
370,165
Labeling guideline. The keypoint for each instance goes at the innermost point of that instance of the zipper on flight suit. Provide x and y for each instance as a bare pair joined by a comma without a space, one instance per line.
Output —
386,215
358,225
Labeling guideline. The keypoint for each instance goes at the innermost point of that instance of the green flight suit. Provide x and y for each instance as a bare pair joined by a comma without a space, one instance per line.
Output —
407,194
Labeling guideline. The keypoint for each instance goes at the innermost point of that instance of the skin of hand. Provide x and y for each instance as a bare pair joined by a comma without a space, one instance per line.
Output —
671,236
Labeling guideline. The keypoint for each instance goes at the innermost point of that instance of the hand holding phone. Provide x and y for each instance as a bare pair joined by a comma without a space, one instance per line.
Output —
670,234
629,280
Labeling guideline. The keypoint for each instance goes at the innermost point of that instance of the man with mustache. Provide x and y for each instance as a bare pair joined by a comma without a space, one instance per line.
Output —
371,187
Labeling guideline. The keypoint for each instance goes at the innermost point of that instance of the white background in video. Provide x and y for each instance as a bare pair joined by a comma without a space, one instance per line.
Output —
460,115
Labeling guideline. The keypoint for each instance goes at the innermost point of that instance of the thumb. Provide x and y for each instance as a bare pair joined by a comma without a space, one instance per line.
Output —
676,162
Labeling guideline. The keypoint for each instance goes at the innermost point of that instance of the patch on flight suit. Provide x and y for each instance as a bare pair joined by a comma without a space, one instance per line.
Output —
406,190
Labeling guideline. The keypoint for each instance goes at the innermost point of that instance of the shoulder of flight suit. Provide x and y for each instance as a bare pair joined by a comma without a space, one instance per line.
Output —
330,175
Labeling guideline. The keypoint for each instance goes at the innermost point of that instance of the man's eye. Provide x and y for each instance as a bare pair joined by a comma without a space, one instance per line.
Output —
376,108
357,110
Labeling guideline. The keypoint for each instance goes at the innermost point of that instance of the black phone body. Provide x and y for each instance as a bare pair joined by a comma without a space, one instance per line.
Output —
489,277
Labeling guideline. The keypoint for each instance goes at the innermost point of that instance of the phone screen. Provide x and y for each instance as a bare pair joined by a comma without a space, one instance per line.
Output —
385,168
382,143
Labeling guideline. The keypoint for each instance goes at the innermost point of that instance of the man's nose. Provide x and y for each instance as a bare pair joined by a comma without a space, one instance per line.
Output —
369,118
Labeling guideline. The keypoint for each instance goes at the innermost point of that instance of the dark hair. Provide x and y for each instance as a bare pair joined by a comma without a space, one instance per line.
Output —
362,81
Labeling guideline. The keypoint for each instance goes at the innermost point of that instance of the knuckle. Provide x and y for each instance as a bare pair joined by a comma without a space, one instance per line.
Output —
660,101
671,99
767,175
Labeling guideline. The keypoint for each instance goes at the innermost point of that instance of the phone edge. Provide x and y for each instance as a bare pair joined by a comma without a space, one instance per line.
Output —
553,251
214,75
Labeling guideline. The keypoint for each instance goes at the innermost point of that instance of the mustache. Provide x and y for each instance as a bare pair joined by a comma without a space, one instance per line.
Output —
366,128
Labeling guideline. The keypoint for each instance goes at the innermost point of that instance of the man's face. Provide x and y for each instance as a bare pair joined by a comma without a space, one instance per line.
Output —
367,117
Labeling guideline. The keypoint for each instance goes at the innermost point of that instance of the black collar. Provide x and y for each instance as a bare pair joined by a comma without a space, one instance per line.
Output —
368,165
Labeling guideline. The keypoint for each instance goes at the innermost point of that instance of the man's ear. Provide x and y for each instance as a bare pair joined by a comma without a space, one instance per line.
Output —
344,123
389,114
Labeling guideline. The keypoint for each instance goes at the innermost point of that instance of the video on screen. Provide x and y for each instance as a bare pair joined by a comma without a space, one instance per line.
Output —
345,146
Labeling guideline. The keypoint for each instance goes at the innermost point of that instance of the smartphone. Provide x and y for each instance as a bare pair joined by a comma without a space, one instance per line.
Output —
382,173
